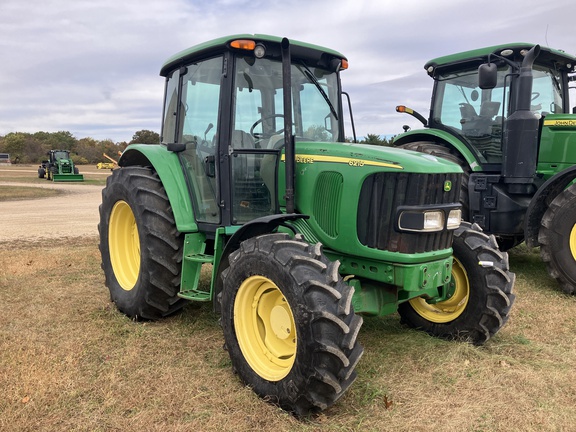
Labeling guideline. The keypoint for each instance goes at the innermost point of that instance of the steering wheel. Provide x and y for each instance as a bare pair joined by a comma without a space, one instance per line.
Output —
258,135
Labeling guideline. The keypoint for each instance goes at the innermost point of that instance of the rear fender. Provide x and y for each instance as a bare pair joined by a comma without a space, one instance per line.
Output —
541,201
168,167
440,137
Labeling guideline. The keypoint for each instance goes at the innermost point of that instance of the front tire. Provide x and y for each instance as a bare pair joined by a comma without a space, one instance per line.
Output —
288,323
140,246
557,238
482,292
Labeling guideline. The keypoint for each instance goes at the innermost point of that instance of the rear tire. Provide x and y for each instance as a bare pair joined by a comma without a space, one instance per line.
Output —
288,323
140,246
482,296
557,238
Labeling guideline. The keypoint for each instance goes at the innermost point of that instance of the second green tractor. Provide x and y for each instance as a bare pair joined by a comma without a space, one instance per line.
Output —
504,114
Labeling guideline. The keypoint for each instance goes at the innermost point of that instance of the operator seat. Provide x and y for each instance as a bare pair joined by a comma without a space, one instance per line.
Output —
489,109
242,140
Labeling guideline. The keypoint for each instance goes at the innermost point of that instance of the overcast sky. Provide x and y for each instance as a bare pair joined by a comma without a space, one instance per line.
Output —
92,67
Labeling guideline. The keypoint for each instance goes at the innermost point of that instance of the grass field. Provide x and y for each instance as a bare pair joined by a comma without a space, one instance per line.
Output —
29,174
71,362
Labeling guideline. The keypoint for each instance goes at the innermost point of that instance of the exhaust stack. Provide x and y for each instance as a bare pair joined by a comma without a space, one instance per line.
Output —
520,144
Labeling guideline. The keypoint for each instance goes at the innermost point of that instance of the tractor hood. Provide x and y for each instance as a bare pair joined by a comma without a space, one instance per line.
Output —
372,157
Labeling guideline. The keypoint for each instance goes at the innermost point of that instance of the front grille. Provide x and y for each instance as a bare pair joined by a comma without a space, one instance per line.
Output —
327,197
383,193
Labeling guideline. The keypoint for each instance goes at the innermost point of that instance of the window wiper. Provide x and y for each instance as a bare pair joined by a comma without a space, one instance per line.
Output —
314,81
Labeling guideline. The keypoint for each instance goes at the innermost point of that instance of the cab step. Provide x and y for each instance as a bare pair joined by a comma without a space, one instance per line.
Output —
191,275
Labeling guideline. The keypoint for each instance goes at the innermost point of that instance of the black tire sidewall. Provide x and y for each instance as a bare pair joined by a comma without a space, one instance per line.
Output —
119,189
562,222
489,291
259,264
477,295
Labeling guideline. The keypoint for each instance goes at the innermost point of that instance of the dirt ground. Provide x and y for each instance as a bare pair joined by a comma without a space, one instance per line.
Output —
72,213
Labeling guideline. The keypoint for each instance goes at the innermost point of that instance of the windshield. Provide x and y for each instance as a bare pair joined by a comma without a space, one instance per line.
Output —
478,114
58,155
259,109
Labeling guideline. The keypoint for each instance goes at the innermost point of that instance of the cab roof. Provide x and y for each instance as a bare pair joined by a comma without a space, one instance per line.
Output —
214,46
480,55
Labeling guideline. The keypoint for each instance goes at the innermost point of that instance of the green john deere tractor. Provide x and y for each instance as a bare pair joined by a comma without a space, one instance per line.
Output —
503,113
303,232
59,167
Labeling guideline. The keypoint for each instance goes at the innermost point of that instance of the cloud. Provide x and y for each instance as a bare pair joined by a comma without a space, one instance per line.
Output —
92,67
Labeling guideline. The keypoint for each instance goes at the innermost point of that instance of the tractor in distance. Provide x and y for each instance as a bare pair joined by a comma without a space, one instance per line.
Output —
303,232
59,167
503,113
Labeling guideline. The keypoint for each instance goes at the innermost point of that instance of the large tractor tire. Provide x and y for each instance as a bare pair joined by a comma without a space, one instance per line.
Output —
140,246
557,238
288,322
482,292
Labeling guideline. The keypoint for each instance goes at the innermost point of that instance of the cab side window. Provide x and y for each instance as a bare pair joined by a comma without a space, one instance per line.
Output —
199,105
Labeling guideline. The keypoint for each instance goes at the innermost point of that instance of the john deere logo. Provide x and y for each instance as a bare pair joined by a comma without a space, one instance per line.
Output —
447,186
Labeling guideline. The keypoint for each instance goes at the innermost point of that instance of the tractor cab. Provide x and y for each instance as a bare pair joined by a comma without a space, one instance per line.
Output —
476,113
225,115
58,155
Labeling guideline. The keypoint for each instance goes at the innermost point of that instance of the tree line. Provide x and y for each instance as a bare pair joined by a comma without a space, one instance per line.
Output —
31,148
377,140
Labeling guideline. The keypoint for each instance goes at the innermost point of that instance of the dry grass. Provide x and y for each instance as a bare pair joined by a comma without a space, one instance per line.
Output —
71,362
15,193
29,174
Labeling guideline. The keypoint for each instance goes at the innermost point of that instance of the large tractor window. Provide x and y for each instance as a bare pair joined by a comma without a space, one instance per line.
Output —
198,128
478,114
170,109
258,126
318,99
472,112
546,91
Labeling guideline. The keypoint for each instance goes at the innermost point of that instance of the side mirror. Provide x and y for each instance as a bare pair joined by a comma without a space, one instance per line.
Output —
176,147
487,76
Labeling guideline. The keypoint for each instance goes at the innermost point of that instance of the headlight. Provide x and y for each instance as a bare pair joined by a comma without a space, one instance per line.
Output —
416,219
433,221
421,221
454,219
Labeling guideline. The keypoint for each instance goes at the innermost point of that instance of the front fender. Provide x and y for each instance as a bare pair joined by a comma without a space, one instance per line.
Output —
256,227
541,200
168,167
439,136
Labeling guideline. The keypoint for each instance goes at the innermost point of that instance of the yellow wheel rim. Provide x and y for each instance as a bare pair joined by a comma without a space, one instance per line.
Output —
124,245
265,328
452,308
573,242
